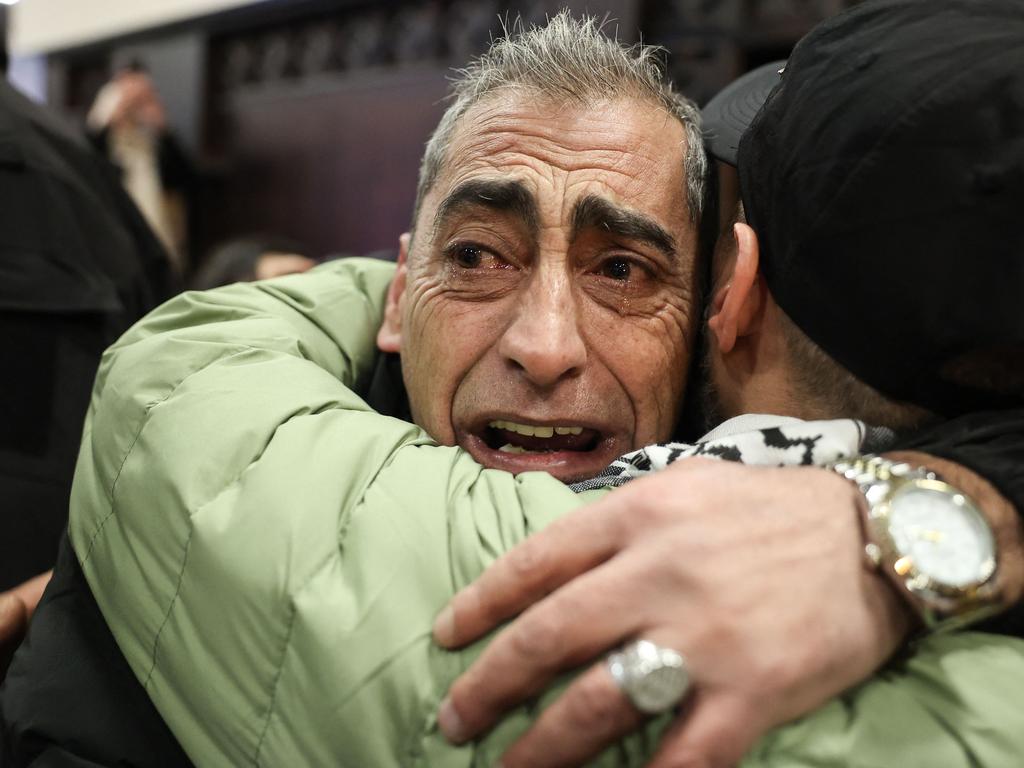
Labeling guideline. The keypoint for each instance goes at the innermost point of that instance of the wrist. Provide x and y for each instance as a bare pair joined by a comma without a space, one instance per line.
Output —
1000,514
928,539
896,617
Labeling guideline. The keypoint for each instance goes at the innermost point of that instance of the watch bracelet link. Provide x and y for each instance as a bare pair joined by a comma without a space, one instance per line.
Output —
869,468
871,473
865,471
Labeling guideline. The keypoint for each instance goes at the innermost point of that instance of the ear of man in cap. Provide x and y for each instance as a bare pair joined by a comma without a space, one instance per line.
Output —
883,176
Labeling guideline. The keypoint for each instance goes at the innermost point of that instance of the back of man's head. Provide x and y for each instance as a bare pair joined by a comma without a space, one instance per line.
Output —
567,60
884,178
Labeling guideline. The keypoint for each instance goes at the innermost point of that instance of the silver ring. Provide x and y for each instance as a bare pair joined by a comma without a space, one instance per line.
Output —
655,679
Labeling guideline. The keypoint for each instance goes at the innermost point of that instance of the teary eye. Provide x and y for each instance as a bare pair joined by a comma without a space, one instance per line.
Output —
468,256
617,269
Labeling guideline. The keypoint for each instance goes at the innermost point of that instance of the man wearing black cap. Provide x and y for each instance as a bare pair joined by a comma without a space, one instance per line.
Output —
878,277
881,184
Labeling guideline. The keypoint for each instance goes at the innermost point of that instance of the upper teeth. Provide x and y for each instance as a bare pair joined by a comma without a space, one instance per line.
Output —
531,431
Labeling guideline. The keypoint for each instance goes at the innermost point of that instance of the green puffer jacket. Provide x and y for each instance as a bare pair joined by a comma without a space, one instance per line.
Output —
270,554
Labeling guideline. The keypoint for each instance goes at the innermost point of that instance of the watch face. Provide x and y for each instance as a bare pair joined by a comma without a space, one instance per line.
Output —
941,535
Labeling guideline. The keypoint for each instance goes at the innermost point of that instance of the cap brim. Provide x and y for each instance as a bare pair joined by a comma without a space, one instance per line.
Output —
728,115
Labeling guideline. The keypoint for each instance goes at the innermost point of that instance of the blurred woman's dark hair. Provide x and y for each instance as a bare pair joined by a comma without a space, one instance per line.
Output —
234,261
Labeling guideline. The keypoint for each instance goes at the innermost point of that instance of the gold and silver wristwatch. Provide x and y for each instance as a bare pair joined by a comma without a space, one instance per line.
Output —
929,538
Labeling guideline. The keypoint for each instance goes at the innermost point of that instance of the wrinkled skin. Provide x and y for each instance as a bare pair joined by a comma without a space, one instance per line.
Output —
515,306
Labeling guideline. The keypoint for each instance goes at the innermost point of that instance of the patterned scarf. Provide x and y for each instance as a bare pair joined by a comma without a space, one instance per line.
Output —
761,440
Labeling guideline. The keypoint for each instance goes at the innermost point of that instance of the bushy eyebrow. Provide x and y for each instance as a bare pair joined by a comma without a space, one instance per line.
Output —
592,212
504,195
595,212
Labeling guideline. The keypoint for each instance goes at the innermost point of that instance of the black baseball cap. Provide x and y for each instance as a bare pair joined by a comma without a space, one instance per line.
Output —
884,176
728,115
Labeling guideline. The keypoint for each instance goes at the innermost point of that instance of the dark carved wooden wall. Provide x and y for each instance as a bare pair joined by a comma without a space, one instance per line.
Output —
307,118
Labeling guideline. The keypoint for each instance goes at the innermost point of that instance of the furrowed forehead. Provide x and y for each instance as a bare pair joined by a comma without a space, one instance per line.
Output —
629,177
566,134
438,156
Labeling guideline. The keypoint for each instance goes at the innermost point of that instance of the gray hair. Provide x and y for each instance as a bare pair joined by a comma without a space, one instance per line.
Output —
570,59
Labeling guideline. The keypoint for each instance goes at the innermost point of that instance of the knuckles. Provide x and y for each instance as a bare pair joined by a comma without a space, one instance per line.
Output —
528,562
536,638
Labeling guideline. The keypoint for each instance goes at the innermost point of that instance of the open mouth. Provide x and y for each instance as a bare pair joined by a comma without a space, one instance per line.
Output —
510,437
565,450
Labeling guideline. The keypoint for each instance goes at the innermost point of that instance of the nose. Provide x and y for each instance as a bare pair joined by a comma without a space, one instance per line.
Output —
544,338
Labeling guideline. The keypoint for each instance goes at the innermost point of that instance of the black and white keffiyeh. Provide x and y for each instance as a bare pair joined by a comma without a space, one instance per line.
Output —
756,439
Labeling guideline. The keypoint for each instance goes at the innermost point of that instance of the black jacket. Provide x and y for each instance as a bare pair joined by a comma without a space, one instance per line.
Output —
78,266
70,699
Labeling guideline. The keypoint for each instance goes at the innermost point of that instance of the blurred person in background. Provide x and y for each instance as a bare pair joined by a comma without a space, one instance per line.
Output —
128,123
254,257
79,266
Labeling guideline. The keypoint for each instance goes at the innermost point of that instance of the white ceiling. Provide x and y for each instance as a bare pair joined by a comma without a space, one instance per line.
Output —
41,26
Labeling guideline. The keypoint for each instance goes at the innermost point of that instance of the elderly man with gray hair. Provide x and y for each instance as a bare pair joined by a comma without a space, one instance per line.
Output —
269,545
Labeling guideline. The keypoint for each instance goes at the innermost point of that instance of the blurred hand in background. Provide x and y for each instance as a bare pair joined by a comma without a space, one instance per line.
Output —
16,608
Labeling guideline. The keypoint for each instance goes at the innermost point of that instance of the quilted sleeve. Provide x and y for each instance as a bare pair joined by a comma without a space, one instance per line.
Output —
269,552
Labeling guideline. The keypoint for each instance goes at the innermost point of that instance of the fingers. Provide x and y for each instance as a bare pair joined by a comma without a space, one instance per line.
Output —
31,591
12,617
715,732
576,543
527,573
16,608
13,621
573,625
592,714
711,731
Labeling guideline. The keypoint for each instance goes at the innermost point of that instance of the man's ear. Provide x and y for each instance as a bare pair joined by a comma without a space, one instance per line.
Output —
736,304
389,337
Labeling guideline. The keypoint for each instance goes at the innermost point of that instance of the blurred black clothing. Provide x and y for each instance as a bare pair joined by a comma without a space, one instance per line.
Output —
76,703
78,266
